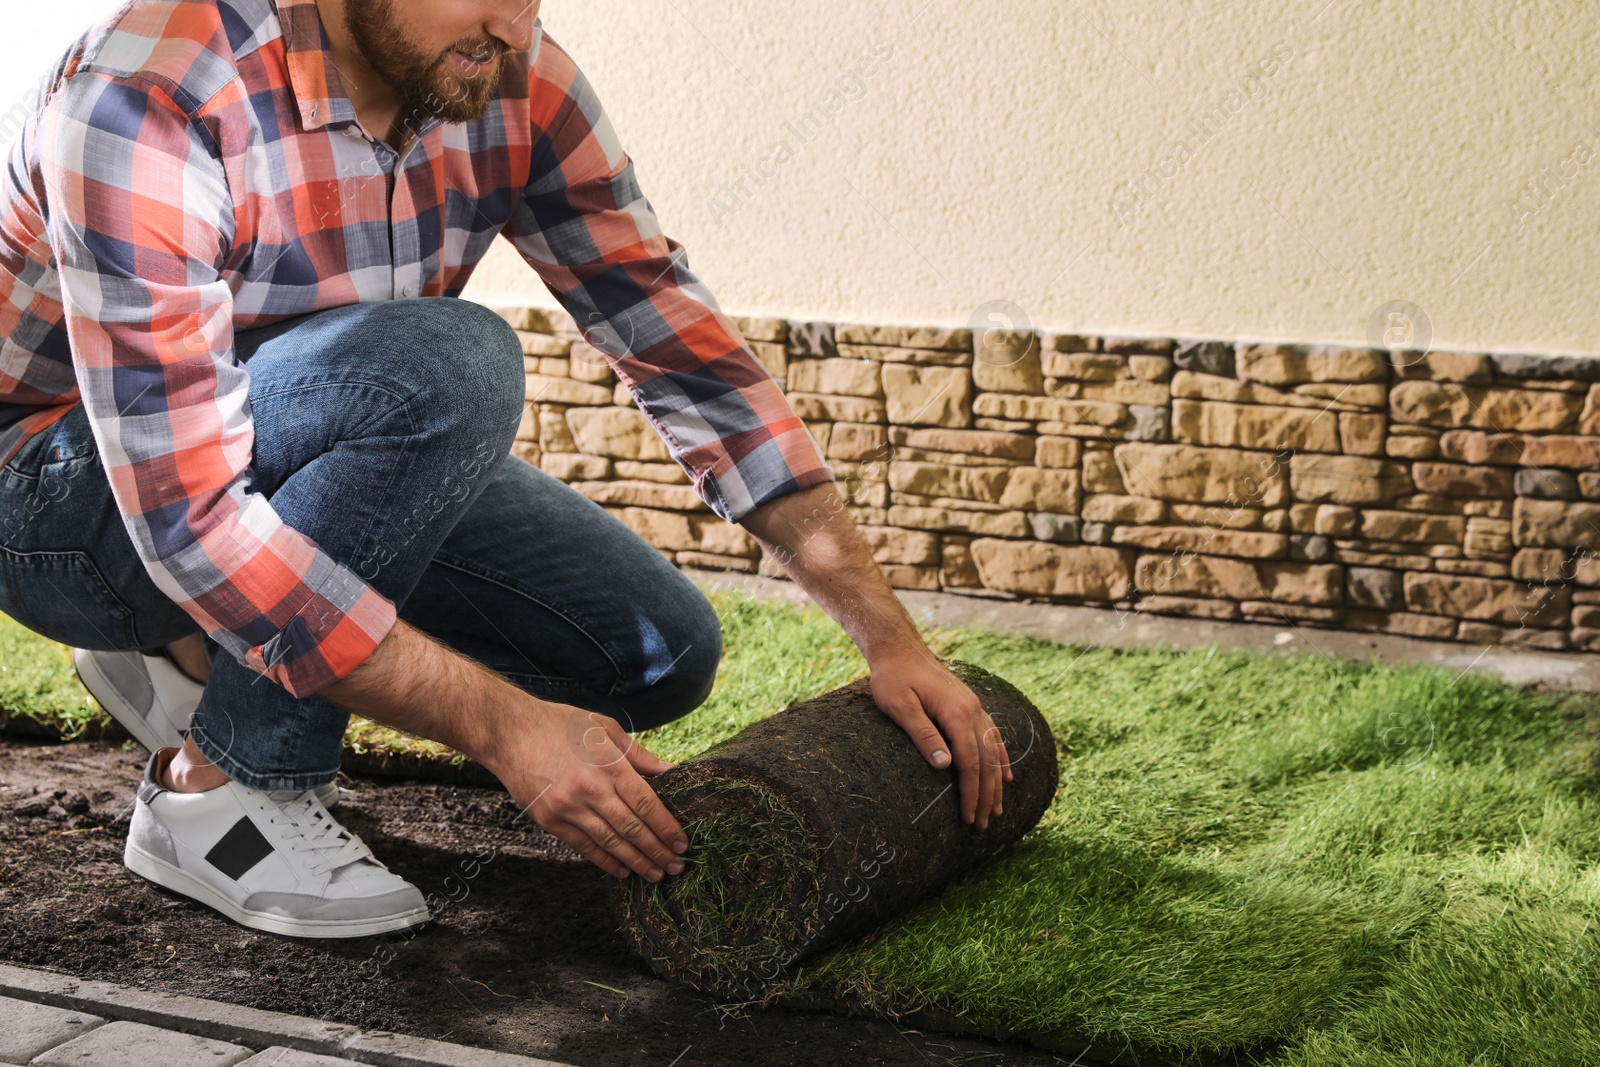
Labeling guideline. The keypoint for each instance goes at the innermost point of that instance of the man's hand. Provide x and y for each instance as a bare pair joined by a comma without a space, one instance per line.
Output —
810,532
577,774
941,714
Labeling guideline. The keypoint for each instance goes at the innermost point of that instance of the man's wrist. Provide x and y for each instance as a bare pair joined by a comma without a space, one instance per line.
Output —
416,683
495,733
892,644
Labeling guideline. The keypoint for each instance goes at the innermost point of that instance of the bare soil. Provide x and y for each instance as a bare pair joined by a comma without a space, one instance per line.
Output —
519,959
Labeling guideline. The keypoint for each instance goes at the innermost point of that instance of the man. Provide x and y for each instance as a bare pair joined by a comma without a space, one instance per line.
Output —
255,450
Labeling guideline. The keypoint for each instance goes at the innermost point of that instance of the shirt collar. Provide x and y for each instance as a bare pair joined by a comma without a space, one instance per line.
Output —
313,76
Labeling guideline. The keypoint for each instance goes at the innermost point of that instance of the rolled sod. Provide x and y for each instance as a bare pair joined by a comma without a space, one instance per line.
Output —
814,825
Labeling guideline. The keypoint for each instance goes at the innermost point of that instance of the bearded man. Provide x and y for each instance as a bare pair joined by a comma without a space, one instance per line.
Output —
254,448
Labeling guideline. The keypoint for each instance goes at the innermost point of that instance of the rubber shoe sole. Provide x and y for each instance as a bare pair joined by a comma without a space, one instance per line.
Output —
119,705
182,882
121,709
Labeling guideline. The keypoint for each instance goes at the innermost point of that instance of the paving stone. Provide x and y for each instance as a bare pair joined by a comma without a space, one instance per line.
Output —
229,1022
125,1044
393,1050
32,1028
279,1056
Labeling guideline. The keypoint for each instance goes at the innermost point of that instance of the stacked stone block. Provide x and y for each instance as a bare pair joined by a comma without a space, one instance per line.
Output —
1443,494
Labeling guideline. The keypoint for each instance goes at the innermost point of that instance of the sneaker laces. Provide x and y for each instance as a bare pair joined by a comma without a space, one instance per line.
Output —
307,827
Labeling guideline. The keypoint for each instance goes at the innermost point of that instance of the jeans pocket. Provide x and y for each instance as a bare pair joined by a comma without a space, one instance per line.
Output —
63,596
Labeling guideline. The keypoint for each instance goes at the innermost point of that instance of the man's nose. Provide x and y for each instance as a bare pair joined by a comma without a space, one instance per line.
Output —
513,23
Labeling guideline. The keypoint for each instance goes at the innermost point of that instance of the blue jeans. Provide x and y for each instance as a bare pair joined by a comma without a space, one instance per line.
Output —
382,433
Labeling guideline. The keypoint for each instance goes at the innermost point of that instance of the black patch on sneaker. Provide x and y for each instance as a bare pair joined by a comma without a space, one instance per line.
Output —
240,849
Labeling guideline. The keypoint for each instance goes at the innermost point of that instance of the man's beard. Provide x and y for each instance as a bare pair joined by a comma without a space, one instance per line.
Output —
428,85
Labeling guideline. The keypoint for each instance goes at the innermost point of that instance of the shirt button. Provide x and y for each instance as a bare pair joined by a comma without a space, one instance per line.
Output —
410,289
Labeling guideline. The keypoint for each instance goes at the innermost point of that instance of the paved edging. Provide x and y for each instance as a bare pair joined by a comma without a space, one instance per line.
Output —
251,1027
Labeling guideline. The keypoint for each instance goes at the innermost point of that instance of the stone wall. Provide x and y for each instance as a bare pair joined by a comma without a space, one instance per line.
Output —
1441,494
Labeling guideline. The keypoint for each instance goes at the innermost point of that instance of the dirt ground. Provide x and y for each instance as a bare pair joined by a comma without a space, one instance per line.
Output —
518,959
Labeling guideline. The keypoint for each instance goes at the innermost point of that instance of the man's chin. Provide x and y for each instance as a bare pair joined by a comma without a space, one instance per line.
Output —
457,99
458,103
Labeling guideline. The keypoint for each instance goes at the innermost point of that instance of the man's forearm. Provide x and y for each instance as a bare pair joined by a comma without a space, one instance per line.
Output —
574,772
415,683
811,534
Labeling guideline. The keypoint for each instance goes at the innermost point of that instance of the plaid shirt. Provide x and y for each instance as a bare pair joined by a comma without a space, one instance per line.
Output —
195,168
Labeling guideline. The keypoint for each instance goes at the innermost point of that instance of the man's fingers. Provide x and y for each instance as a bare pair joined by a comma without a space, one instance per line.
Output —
1005,762
641,817
986,772
585,846
998,759
909,714
1002,771
1005,754
996,756
969,774
605,834
640,758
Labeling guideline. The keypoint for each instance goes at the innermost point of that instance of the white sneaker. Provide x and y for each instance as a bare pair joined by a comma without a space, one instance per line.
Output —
151,698
272,861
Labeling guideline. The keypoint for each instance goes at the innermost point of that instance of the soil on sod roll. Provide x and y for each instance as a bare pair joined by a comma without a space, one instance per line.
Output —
814,825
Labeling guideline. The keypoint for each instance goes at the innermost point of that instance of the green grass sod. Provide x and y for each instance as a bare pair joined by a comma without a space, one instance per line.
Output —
1283,861
37,683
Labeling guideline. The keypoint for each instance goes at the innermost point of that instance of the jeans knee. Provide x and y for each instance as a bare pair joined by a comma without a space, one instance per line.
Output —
687,670
697,666
473,365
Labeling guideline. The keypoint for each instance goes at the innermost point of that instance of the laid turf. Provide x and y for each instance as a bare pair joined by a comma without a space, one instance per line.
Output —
37,683
1283,861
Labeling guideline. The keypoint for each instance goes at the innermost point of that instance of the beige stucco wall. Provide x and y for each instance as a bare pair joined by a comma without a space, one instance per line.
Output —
1389,155
1392,156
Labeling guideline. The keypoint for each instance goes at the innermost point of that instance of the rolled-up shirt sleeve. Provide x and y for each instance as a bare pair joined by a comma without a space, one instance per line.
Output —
587,229
142,220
